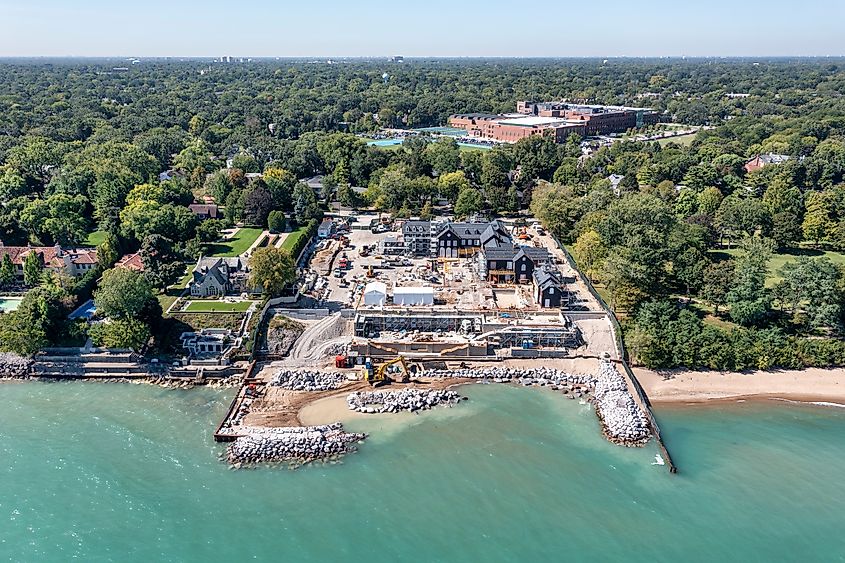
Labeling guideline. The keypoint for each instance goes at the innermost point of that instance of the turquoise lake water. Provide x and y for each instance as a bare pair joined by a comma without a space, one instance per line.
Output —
113,472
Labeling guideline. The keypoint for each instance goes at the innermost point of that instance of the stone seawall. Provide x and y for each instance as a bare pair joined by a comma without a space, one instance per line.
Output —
623,421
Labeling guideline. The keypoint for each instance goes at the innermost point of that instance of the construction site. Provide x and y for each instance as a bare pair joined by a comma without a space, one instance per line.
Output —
461,302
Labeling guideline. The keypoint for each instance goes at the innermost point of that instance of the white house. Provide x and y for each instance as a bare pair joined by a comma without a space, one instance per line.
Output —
413,296
375,294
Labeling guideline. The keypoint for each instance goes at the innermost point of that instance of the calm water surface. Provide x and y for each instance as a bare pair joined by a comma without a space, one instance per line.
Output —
99,472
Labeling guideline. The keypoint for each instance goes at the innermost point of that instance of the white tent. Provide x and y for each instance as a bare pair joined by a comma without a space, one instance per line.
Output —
375,293
413,296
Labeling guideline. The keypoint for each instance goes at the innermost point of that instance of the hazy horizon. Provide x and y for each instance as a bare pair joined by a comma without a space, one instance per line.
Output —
436,29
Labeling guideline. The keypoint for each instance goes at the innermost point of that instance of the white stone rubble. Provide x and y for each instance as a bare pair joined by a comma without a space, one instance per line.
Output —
623,421
304,380
373,402
301,444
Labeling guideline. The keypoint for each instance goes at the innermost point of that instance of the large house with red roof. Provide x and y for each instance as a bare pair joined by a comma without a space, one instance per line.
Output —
74,262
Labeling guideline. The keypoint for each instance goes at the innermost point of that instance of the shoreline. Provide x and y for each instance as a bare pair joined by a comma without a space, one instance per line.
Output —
811,386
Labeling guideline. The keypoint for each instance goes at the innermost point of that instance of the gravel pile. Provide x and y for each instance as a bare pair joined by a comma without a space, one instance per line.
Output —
623,421
301,444
373,402
12,365
302,380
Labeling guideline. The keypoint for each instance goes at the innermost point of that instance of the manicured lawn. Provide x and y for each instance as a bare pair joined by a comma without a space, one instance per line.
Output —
779,260
96,238
292,237
236,245
217,307
172,293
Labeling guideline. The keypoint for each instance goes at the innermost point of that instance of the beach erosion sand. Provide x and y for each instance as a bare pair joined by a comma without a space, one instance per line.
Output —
808,385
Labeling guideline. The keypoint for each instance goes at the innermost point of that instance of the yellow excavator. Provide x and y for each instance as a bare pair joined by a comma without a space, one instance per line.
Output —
385,373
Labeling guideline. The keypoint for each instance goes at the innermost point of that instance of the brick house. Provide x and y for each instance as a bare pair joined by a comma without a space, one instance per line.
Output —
74,262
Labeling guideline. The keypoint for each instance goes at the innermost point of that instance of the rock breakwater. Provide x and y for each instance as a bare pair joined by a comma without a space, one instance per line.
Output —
305,380
14,366
373,402
573,385
297,444
623,421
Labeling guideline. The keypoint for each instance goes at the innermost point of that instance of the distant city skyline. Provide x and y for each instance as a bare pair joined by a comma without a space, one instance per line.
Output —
436,28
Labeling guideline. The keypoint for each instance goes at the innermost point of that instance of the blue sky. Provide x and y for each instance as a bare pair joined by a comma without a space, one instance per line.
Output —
253,28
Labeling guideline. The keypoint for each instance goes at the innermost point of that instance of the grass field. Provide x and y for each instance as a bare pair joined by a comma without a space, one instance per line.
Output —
172,293
779,260
96,238
683,140
292,237
217,307
236,245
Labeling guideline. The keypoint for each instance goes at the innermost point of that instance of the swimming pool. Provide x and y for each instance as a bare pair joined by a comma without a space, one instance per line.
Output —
8,304
385,142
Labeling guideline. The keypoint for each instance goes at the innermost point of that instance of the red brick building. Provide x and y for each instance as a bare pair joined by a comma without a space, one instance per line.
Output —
511,128
555,119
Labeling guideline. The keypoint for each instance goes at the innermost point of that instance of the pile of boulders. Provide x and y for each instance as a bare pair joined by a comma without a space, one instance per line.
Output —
623,421
574,386
374,402
13,365
299,444
303,380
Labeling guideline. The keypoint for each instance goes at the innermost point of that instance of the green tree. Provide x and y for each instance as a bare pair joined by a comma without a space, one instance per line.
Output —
748,299
786,229
7,272
347,197
33,269
120,333
814,285
123,294
709,200
276,221
742,216
468,203
218,186
818,224
305,204
444,155
589,251
37,319
162,264
108,251
271,269
450,184
716,281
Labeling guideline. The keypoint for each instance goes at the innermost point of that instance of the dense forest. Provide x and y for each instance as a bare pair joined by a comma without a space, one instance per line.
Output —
682,246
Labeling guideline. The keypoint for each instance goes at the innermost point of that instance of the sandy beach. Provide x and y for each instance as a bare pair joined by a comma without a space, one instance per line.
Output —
809,385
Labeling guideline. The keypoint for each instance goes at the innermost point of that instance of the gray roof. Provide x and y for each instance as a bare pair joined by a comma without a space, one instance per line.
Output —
479,231
547,277
514,252
214,267
416,227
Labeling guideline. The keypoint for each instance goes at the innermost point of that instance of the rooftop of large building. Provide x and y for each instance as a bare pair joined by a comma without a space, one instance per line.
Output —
533,121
